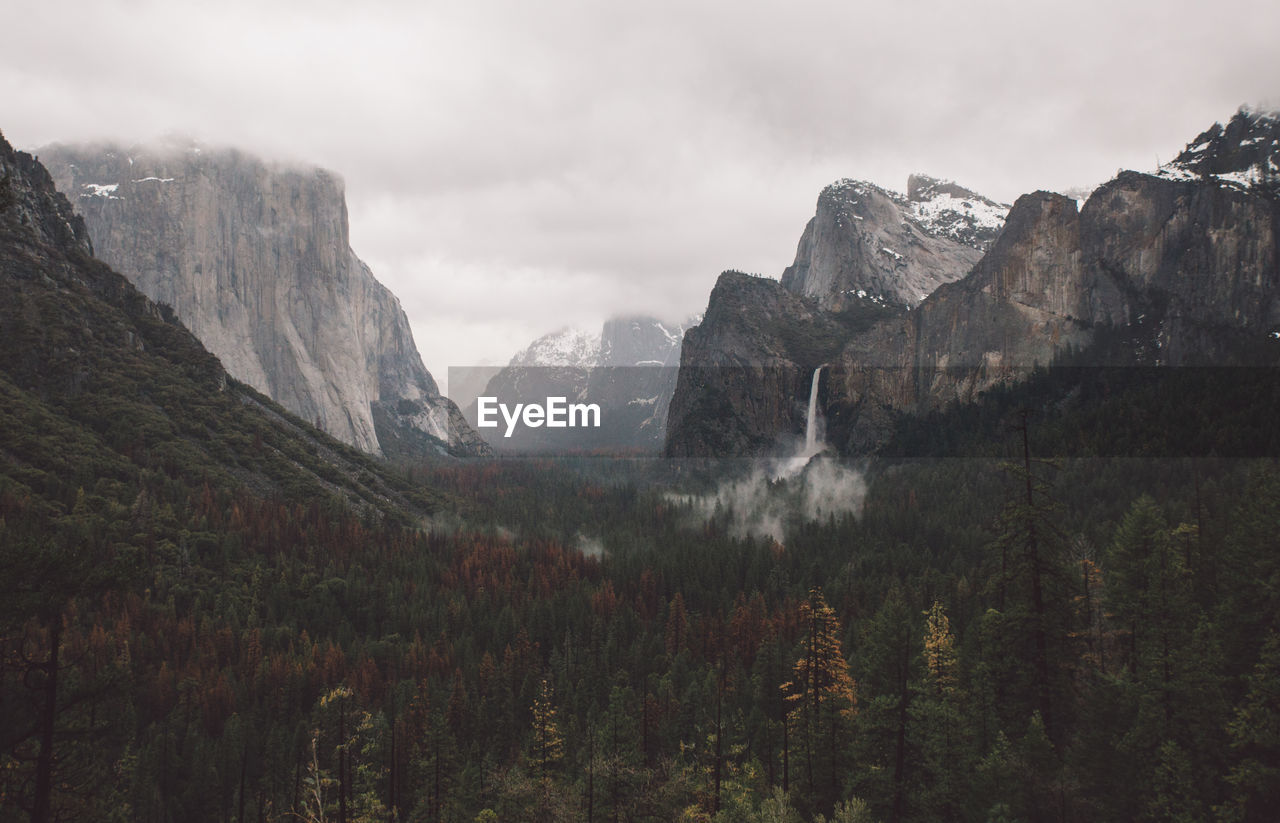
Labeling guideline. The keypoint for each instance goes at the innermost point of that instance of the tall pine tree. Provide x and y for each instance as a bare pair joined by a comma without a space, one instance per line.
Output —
823,700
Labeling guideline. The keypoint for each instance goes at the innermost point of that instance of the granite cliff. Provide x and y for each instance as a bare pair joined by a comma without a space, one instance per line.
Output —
106,400
1184,261
255,260
865,242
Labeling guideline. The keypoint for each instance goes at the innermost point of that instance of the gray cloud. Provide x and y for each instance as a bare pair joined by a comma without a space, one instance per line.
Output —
512,166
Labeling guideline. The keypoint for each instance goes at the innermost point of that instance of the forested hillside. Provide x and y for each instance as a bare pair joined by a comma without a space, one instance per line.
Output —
212,612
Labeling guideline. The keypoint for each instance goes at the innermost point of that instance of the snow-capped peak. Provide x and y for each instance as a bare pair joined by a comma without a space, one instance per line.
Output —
943,208
567,347
1243,154
939,207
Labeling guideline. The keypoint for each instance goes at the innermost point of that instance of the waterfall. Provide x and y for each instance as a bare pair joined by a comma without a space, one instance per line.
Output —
791,466
810,429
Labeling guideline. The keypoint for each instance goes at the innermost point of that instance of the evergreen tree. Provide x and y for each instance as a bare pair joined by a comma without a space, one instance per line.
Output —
938,725
886,655
547,748
823,700
1031,620
1255,743
853,810
618,746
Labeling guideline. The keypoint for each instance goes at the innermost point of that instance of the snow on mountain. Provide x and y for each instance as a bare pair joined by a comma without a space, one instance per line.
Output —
945,209
1243,154
628,368
564,348
865,242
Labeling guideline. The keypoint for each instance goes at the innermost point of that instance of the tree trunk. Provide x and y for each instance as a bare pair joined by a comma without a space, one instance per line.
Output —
244,766
42,808
786,753
342,762
1037,594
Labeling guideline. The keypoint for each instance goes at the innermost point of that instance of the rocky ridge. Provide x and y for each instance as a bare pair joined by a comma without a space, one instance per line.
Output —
628,368
1245,153
1186,263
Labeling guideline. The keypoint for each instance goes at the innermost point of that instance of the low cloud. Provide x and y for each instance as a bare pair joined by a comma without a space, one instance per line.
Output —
590,546
622,155
778,494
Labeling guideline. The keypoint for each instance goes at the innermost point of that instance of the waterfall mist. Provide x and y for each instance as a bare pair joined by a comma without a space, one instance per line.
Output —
805,487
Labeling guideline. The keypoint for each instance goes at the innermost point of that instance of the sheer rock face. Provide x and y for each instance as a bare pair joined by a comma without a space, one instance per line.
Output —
743,384
866,242
255,260
636,377
1193,262
737,383
99,380
1191,259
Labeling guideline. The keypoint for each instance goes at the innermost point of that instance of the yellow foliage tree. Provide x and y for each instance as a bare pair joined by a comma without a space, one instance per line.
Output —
548,744
822,696
939,650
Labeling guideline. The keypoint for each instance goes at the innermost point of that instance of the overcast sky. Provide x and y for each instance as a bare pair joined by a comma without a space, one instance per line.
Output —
516,166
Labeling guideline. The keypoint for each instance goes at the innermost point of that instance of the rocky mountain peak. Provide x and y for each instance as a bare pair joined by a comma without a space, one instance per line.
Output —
946,209
567,347
850,195
867,243
1245,153
922,187
640,341
30,201
628,368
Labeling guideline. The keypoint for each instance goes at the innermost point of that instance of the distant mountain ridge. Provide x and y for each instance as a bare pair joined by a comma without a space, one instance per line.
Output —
568,347
255,259
628,368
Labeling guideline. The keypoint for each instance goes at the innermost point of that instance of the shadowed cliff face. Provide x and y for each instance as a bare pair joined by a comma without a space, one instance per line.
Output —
1190,260
255,260
746,370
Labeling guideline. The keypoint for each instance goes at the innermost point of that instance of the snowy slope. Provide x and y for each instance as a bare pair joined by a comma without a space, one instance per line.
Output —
563,348
1243,154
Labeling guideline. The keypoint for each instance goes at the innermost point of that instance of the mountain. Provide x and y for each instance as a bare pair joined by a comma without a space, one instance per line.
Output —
466,383
255,259
628,368
635,378
745,370
1184,263
869,243
558,364
107,401
1245,153
567,348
